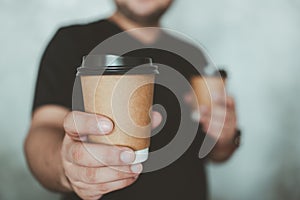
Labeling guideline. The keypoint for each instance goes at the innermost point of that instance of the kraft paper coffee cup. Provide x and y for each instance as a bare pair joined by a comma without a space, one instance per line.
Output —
120,88
204,87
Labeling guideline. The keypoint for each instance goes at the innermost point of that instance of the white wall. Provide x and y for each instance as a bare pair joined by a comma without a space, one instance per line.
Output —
257,39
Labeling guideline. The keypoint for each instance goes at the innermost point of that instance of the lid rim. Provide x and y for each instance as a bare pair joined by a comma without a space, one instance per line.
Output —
105,64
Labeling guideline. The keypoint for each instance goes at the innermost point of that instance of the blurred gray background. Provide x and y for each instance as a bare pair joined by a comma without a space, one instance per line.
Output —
258,41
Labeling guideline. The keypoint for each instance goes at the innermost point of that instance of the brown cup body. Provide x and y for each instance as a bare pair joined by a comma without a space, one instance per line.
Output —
204,87
127,101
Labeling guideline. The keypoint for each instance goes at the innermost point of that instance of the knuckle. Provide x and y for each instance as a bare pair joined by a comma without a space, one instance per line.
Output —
86,197
94,197
98,196
87,194
90,121
234,121
129,182
225,137
67,169
227,118
66,124
90,175
76,153
80,192
120,174
104,188
63,151
229,99
110,157
230,119
77,184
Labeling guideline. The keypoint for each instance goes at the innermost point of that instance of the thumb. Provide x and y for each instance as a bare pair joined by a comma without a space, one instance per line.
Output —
80,124
156,119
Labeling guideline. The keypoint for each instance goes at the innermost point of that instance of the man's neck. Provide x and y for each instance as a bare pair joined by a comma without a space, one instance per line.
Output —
147,35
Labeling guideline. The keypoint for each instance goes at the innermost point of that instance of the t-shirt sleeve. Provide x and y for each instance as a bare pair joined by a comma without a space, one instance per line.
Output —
56,75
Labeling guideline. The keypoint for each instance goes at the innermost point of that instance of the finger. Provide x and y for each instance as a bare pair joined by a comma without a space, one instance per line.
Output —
215,109
103,188
227,121
217,112
204,109
223,100
98,155
80,124
224,136
87,194
220,111
214,130
224,115
216,127
96,197
205,119
102,174
156,119
219,98
230,102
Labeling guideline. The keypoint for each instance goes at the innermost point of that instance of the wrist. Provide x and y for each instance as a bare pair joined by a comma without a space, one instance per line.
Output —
222,151
231,143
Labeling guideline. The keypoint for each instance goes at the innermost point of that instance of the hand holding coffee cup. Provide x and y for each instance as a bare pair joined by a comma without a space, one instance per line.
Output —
96,169
213,108
209,90
120,88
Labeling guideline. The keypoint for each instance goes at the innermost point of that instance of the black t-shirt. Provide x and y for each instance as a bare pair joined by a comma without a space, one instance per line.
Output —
184,178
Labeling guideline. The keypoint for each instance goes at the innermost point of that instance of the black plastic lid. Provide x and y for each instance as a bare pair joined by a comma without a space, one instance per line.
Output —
216,73
223,73
115,65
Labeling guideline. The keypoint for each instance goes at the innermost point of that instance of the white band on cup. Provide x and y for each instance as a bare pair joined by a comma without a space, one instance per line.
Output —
195,115
141,155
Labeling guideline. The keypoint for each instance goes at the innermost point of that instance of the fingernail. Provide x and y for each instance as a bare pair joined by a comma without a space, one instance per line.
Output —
83,138
105,126
156,119
196,116
138,168
127,156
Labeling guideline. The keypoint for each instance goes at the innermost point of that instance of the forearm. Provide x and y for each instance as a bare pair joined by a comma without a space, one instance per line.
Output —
42,149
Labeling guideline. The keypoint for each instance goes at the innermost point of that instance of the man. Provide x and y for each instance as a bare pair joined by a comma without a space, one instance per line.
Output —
54,151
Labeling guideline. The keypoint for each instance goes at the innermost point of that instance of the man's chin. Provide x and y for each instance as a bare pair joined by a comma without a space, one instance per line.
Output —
142,18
